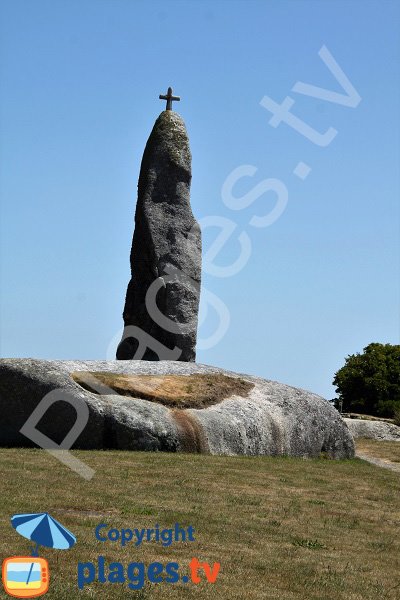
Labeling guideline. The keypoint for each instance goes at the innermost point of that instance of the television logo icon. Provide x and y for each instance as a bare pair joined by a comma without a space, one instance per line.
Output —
25,576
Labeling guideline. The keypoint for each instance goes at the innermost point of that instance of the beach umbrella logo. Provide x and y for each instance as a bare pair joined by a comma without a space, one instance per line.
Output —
28,576
42,529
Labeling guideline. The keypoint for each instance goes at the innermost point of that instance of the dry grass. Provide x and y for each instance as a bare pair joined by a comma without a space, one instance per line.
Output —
366,417
384,450
179,391
282,529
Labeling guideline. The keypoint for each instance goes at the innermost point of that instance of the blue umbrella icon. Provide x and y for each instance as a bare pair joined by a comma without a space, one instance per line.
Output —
42,529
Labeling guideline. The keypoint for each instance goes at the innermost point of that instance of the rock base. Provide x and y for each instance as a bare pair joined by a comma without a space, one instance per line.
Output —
373,430
165,406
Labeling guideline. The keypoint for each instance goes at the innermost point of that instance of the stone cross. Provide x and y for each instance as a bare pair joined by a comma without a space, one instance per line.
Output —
169,98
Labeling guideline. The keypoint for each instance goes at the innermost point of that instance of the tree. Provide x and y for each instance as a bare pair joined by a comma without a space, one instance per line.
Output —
369,383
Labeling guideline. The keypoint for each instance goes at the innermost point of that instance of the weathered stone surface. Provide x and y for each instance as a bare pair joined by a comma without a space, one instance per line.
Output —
374,430
166,250
269,418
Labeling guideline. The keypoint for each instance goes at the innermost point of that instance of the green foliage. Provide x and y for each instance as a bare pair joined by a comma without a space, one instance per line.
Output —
369,383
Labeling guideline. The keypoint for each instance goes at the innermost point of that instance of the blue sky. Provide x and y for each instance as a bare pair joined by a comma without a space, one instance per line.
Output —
79,95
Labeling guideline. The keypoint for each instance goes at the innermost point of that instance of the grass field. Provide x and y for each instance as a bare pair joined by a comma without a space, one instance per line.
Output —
385,450
282,528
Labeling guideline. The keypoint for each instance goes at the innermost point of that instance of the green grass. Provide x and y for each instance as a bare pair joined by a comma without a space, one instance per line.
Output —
281,528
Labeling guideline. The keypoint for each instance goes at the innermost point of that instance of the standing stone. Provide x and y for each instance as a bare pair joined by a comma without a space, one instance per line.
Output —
162,298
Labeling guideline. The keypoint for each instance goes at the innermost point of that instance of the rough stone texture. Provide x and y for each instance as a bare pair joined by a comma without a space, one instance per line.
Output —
274,419
374,430
166,249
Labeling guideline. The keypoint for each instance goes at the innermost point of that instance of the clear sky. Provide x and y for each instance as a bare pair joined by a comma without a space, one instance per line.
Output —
80,81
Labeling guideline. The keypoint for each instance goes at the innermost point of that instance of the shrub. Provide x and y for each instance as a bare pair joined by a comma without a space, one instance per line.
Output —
369,383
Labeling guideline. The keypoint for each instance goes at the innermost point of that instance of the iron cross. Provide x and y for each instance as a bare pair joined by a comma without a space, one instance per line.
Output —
169,98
